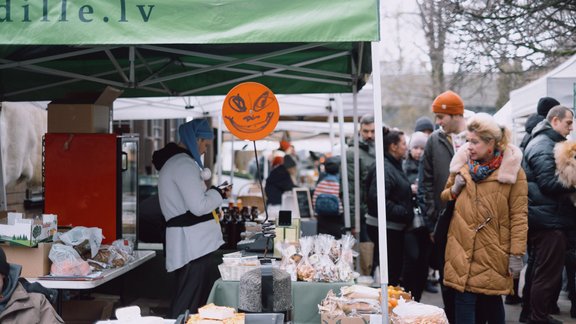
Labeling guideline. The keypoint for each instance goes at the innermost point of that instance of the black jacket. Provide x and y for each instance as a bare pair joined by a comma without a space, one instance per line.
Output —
399,208
435,171
549,206
411,169
531,122
277,183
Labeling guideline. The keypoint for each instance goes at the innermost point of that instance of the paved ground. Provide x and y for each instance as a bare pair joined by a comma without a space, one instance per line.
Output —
512,311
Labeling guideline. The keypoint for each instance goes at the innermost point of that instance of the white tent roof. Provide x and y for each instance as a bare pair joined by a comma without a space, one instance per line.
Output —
558,83
183,107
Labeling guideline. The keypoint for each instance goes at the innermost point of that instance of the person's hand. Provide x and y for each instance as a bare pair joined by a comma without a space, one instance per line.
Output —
226,191
414,188
515,265
458,185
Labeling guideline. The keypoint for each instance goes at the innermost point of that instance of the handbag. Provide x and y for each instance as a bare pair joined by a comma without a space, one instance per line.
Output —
443,223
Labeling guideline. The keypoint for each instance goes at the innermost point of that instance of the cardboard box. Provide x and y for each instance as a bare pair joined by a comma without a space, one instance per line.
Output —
84,114
365,319
27,231
34,260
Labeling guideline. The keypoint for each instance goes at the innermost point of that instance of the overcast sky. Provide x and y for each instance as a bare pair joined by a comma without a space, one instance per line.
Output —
402,35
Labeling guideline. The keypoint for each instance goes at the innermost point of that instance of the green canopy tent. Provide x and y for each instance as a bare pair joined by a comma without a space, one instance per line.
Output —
50,49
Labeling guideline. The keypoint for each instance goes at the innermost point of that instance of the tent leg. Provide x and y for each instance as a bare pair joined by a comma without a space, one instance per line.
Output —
379,141
3,204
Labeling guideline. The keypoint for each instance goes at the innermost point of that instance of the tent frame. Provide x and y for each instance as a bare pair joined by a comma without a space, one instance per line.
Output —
137,63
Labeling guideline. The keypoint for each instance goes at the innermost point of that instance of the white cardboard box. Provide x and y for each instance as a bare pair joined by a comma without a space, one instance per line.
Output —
26,231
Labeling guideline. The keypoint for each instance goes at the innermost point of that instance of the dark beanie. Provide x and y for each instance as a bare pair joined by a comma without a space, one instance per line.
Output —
289,161
545,104
423,124
332,165
4,266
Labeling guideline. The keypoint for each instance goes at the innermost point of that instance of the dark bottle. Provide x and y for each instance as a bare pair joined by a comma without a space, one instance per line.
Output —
254,213
240,226
245,212
233,228
224,220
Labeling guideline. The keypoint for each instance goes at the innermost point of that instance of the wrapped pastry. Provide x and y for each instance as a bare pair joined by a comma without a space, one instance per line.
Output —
413,312
305,271
357,291
345,265
362,306
325,268
288,262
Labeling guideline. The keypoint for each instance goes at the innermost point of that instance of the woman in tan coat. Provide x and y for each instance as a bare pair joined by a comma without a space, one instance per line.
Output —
487,234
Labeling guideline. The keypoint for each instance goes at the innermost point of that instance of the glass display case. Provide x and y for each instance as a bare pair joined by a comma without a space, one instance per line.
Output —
129,168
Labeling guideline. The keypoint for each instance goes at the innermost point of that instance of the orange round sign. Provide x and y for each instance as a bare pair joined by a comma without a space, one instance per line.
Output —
250,111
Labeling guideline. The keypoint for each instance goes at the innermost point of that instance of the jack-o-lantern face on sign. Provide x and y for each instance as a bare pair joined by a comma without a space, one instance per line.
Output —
250,111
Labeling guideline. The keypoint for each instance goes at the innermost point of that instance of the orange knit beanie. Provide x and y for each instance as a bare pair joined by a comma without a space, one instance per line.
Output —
448,102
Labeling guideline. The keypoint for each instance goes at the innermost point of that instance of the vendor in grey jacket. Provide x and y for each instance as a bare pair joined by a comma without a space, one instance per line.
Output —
17,306
192,229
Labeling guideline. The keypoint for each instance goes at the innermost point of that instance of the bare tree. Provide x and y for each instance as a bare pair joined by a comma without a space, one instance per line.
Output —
437,21
538,33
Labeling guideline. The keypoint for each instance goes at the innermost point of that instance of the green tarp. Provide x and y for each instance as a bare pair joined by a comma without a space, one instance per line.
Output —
52,48
83,22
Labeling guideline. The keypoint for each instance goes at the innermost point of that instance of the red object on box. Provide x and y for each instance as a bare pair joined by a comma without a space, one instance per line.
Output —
81,181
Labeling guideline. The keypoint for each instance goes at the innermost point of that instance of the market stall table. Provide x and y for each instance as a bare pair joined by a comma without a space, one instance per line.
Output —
305,297
89,283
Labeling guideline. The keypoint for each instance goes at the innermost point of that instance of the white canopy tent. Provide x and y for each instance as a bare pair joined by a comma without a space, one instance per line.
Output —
559,84
202,106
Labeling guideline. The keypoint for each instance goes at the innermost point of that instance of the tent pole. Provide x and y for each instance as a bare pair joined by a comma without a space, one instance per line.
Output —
343,164
3,201
232,162
331,134
356,163
379,146
219,145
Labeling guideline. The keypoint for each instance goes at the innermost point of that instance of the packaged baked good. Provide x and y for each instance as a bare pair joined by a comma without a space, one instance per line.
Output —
305,270
212,314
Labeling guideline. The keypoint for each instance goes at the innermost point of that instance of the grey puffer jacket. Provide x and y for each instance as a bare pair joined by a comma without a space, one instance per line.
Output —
549,205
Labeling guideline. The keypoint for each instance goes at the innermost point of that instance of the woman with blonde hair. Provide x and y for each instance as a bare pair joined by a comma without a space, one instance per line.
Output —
487,233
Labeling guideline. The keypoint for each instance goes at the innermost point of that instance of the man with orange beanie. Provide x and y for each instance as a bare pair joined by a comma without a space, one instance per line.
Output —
448,108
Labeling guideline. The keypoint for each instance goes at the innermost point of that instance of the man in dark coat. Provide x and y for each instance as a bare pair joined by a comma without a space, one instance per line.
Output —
544,106
280,180
550,211
448,109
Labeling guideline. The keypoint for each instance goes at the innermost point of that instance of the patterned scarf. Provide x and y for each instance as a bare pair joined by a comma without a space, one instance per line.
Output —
481,170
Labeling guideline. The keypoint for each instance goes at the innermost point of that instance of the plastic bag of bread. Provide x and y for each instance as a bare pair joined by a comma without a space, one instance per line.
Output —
113,256
325,268
345,264
408,312
79,234
305,270
67,262
288,262
358,291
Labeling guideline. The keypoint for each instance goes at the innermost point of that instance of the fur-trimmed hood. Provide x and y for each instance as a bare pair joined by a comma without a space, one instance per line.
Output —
565,158
508,171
